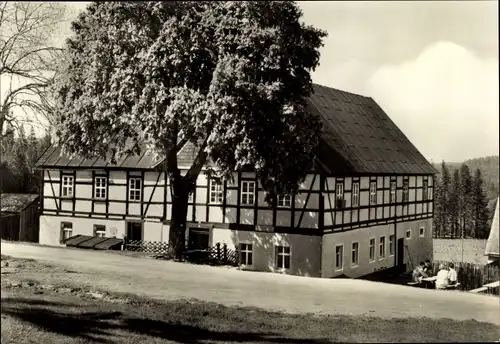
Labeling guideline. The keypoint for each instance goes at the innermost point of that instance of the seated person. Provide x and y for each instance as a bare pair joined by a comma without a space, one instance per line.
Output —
419,273
428,267
452,274
442,277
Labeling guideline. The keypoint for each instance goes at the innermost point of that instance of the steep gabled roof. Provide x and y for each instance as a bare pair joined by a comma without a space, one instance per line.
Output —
493,243
357,138
14,203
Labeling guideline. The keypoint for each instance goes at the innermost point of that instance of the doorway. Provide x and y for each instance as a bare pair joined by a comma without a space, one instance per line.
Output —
401,253
199,238
134,231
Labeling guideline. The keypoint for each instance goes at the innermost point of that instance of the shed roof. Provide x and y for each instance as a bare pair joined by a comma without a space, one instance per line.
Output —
493,243
357,137
14,203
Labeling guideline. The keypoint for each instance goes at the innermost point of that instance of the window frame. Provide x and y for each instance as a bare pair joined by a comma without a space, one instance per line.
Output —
65,230
355,195
355,253
391,245
98,228
421,233
247,253
406,191
339,195
216,192
371,257
425,190
341,268
283,254
135,189
392,192
247,193
382,247
100,188
281,201
67,186
373,194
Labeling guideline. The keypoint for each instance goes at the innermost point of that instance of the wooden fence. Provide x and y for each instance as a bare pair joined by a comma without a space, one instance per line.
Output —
470,275
153,247
219,254
215,255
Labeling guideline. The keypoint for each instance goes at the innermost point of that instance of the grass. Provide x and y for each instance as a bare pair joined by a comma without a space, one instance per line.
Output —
451,250
60,314
31,315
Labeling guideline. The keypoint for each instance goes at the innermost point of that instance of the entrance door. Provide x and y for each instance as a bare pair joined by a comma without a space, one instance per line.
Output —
401,252
198,238
134,230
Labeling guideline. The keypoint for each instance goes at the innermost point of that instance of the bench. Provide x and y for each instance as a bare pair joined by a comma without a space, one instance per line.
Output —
412,283
452,286
478,290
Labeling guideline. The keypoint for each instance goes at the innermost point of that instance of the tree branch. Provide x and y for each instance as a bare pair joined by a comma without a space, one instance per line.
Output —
198,163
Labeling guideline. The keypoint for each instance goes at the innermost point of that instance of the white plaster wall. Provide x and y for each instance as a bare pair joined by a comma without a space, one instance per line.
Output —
418,248
50,228
305,250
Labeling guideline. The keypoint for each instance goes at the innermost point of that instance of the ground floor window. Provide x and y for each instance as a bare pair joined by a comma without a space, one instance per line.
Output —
391,245
246,254
339,257
372,249
355,254
99,231
66,230
408,234
283,257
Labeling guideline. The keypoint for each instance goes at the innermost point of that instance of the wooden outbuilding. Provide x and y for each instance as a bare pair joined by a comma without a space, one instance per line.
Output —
20,217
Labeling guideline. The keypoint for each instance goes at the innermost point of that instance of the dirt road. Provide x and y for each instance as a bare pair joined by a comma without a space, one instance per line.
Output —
169,280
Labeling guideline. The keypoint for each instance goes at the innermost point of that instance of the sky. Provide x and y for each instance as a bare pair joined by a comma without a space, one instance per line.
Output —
431,65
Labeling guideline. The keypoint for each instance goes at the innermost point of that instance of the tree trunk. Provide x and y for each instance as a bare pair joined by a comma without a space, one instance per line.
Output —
179,191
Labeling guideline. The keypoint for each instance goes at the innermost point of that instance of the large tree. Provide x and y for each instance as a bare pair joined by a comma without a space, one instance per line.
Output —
229,77
480,207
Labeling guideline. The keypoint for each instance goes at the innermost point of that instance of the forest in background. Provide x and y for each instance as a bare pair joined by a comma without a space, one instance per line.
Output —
465,199
19,155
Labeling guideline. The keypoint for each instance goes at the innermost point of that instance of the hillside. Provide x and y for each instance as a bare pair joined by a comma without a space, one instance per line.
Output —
489,167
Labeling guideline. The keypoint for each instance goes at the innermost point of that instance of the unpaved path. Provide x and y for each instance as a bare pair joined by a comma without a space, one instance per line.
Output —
169,280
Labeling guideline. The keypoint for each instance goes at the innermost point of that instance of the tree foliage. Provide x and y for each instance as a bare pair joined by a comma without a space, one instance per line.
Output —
230,78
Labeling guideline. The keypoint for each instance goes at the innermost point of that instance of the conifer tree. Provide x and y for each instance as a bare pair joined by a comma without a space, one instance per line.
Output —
480,207
455,204
466,202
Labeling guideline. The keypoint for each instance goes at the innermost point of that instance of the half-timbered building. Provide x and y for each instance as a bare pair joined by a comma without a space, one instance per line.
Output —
366,205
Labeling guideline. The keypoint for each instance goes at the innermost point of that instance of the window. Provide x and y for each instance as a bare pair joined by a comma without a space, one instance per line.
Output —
67,186
339,195
391,245
100,187
285,201
246,254
406,195
425,191
190,197
429,193
393,192
339,257
66,230
355,194
381,247
373,192
372,249
283,257
216,192
355,254
134,189
99,231
247,192
422,232
408,234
